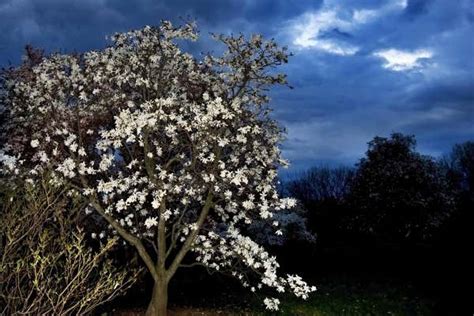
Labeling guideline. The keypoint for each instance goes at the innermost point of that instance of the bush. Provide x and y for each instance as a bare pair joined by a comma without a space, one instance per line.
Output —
46,264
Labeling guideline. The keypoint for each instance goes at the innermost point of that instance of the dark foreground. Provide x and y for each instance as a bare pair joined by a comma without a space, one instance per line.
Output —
362,282
341,297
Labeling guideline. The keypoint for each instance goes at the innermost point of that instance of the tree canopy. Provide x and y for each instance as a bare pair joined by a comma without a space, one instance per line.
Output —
175,154
397,193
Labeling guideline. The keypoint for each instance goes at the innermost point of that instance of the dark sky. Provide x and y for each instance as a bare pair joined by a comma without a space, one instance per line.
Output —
360,67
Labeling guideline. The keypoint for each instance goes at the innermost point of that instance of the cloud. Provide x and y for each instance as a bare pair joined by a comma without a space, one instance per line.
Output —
309,28
313,29
399,60
363,16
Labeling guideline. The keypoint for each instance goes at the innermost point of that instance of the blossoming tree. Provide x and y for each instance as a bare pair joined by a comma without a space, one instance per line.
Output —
177,155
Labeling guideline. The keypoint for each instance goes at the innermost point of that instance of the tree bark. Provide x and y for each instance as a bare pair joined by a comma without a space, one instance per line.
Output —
159,301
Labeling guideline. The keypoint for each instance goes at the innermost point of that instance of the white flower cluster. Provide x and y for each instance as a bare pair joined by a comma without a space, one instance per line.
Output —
8,162
289,224
150,222
299,287
151,135
271,303
219,251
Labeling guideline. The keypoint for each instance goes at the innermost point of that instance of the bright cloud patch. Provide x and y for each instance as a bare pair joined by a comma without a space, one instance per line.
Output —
312,25
369,15
399,60
310,29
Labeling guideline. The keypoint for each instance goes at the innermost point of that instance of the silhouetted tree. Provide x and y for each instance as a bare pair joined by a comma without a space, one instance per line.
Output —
459,170
321,183
460,166
322,191
397,193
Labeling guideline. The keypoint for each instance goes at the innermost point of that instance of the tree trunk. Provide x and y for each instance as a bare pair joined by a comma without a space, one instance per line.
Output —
159,300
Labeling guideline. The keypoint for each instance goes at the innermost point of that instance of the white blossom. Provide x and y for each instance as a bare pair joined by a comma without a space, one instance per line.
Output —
271,303
34,143
150,222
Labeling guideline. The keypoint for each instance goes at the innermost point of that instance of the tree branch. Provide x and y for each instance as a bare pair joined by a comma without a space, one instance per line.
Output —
191,237
134,241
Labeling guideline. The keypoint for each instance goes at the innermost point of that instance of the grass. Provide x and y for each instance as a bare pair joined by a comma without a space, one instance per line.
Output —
332,298
352,299
339,301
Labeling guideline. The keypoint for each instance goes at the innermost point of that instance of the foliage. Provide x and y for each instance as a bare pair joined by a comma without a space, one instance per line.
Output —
398,194
46,265
176,154
460,168
292,227
321,184
323,191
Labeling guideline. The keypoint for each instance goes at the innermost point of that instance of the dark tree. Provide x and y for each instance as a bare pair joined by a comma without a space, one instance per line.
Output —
460,167
321,183
459,170
398,194
322,191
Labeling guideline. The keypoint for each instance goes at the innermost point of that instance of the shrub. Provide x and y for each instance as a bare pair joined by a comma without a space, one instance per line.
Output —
47,266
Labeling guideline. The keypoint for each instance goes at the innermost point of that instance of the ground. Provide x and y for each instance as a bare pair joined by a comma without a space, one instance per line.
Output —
332,298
